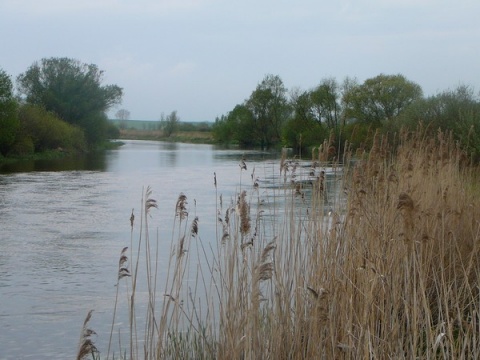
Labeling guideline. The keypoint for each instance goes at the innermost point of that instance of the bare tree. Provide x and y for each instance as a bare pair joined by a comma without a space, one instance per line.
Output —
123,115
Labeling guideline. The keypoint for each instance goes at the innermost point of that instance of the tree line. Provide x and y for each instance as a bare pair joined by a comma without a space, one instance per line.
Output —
61,103
347,111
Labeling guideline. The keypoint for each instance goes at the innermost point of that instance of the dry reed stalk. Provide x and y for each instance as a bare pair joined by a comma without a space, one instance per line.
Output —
87,345
121,273
394,275
401,290
243,211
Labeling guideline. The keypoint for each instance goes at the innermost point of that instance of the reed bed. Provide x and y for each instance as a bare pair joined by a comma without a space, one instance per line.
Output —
392,271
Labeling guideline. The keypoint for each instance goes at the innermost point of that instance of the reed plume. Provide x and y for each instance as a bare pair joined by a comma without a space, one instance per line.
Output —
244,213
194,228
181,206
122,272
87,345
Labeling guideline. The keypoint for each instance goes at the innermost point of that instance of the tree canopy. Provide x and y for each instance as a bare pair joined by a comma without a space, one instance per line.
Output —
259,120
380,98
73,91
170,123
349,110
8,113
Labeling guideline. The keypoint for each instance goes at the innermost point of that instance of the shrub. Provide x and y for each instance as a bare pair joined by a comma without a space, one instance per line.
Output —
23,146
48,132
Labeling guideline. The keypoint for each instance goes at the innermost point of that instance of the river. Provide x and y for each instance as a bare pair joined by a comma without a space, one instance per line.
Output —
64,222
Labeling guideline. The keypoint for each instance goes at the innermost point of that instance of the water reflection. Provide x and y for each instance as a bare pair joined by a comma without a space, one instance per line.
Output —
93,161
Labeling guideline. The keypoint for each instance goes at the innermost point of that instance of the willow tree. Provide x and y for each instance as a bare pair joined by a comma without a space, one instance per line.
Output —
380,99
73,91
269,107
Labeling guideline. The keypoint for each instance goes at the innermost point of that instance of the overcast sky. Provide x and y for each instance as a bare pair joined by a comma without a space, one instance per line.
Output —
202,57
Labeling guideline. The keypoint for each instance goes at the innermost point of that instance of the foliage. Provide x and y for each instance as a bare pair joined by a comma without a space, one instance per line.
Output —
267,117
46,131
246,134
113,132
325,103
73,91
202,126
260,119
303,130
170,125
8,114
380,98
456,110
223,130
269,110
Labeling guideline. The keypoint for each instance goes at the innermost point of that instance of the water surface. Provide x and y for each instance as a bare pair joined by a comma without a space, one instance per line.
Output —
64,222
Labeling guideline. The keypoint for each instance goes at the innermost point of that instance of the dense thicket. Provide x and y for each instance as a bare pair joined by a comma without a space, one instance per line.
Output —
8,114
73,91
347,110
61,104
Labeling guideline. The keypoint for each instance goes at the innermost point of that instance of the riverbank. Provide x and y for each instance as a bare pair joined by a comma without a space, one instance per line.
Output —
56,154
191,137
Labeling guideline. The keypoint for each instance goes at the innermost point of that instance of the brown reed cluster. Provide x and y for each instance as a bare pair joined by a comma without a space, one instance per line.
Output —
122,267
87,345
243,210
387,268
194,228
149,203
181,206
409,249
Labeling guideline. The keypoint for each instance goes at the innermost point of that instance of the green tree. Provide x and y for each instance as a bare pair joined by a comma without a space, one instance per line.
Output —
270,109
171,124
302,129
8,114
223,130
379,99
73,91
456,111
243,124
45,131
325,100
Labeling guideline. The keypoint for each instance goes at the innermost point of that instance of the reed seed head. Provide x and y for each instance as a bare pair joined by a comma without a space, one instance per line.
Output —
405,202
87,345
194,230
132,219
244,212
181,206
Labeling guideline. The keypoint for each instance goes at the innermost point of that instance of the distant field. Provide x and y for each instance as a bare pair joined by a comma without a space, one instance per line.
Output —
149,125
137,124
199,137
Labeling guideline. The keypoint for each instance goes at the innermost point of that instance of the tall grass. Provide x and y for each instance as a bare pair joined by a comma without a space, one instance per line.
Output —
390,272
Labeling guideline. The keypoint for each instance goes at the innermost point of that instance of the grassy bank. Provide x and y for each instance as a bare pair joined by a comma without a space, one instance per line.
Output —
392,273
